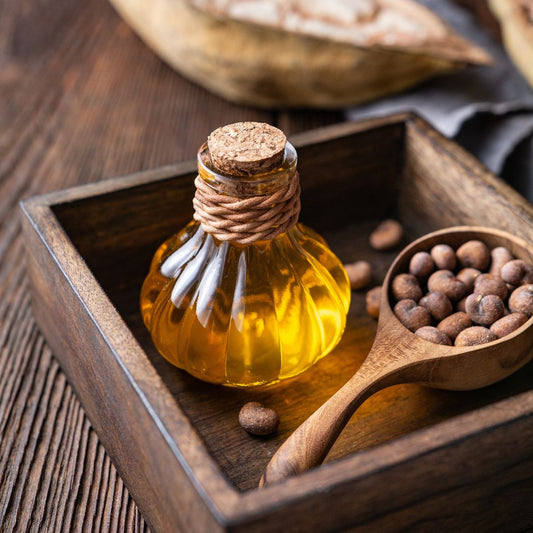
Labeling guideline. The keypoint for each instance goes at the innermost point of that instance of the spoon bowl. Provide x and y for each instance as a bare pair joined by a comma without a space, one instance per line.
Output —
399,356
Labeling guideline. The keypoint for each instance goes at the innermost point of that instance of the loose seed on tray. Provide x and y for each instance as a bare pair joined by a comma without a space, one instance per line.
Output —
257,419
359,274
387,235
373,300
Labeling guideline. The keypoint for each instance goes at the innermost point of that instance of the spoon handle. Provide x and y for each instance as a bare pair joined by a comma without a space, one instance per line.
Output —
310,443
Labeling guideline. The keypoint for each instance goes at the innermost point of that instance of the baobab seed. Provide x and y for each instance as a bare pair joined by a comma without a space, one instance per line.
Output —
412,315
452,325
517,272
434,335
406,287
474,336
474,254
359,274
438,305
468,276
521,300
508,324
443,256
421,265
484,310
387,235
461,305
499,257
490,284
444,281
373,301
257,419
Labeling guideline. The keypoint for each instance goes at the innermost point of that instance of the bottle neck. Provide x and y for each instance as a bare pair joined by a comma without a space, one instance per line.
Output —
247,186
247,209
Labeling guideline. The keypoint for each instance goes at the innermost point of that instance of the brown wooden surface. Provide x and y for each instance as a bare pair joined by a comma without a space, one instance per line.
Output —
81,98
409,452
399,357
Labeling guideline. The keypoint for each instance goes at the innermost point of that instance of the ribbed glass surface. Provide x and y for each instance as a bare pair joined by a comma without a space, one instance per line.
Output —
245,315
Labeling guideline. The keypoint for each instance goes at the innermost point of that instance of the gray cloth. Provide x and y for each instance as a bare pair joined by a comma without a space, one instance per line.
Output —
489,110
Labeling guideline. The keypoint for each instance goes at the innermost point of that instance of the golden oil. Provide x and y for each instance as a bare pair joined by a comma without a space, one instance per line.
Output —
245,314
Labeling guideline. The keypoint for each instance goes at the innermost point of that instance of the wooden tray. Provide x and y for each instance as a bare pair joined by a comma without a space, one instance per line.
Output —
412,457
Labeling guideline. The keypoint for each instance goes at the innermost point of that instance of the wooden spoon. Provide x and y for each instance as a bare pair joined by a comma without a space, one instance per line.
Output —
399,356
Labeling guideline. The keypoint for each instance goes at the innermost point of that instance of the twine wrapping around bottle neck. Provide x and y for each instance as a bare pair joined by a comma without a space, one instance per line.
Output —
246,220
247,188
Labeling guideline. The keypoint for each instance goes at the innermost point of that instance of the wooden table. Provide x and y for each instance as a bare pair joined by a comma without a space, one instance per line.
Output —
81,99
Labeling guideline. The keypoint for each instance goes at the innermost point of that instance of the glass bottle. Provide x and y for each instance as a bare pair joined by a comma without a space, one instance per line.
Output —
251,313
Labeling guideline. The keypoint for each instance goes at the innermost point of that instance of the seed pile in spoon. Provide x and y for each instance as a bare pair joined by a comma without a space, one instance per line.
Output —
465,297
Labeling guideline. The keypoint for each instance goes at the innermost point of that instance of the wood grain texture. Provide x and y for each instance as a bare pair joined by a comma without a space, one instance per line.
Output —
408,451
397,357
81,98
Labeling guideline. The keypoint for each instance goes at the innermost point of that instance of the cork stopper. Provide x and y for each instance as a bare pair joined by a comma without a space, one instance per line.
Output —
246,148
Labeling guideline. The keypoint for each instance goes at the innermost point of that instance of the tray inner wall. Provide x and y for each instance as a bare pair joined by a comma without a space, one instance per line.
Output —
349,184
